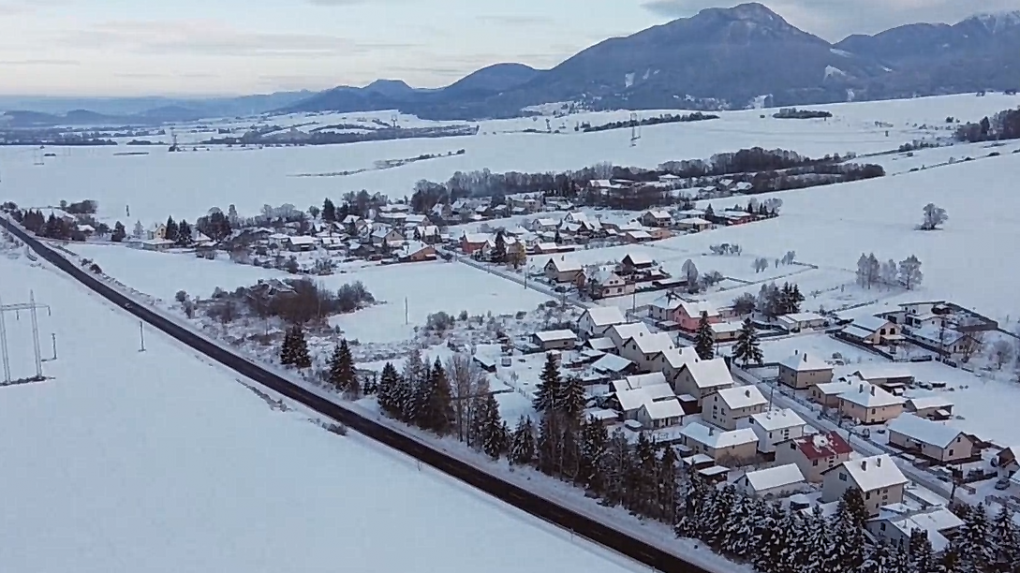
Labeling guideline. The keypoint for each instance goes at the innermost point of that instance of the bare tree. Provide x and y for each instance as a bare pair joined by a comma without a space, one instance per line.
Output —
1001,353
467,380
933,217
972,344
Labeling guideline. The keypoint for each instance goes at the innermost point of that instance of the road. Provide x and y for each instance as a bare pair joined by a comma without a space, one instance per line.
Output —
509,493
859,443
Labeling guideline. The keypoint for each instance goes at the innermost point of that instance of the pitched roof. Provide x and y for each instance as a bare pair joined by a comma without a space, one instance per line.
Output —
694,221
677,357
924,431
611,363
870,396
771,478
821,446
710,373
926,402
653,343
805,363
778,420
601,343
604,315
725,327
873,473
742,397
666,302
870,323
835,388
302,240
554,335
475,238
716,439
695,309
883,371
633,398
638,259
663,409
628,330
563,264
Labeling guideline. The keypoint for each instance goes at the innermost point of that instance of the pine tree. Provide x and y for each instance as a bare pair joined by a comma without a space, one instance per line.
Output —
817,542
973,544
747,348
341,371
690,510
301,357
572,402
1006,534
498,253
737,532
414,377
170,232
848,531
569,448
437,413
328,210
880,559
287,348
594,441
547,444
184,238
921,554
717,513
522,443
119,232
615,468
704,340
389,391
774,541
492,439
549,390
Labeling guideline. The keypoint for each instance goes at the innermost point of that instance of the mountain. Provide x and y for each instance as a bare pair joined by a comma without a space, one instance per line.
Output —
724,58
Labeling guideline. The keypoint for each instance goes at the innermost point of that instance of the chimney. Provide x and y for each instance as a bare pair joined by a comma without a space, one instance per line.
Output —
872,390
747,393
861,389
711,430
805,357
864,465
796,352
878,462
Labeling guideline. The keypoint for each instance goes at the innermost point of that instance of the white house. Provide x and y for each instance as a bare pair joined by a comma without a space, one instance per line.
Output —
730,405
773,482
878,479
775,426
801,321
736,446
598,319
702,378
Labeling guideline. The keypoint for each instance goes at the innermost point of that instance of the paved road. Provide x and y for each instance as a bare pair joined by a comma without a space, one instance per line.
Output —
518,497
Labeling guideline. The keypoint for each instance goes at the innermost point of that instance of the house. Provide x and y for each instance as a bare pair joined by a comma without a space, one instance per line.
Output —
799,321
621,333
157,244
932,440
554,339
659,233
471,242
873,331
656,218
612,366
878,479
775,426
595,321
635,262
416,251
529,202
630,400
694,224
730,405
663,309
733,447
636,381
640,236
387,238
828,394
814,454
895,523
544,224
669,362
602,283
778,481
869,404
920,314
885,375
301,243
561,270
944,340
689,314
725,331
930,407
1008,461
702,378
657,414
644,348
331,243
427,234
801,371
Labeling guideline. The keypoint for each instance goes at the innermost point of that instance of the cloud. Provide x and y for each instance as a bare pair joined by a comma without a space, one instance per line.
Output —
40,62
212,38
513,20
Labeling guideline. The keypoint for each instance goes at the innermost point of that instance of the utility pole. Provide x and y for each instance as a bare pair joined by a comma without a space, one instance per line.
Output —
407,320
141,336
32,307
53,335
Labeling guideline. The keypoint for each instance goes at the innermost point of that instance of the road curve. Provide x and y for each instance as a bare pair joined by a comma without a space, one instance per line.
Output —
511,494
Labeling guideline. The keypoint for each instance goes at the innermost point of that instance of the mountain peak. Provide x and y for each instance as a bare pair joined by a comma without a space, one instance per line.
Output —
752,11
996,21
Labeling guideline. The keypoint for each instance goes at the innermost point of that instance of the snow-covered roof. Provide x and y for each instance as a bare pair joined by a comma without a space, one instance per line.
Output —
633,398
837,387
698,459
555,335
628,330
659,214
351,219
924,431
604,315
279,237
717,439
805,363
710,373
642,380
677,357
725,327
666,302
798,317
600,414
663,409
778,420
611,363
601,343
772,478
638,259
742,397
86,228
302,240
694,221
929,402
654,343
475,238
696,309
873,473
870,323
639,234
933,520
563,265
821,446
882,372
870,396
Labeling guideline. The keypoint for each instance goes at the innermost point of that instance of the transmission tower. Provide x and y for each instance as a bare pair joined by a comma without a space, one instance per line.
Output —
32,307
635,130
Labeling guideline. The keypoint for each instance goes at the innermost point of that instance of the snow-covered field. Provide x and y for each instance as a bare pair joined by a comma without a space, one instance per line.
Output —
188,184
125,461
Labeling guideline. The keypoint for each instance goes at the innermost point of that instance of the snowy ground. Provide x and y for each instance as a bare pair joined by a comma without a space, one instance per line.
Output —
212,479
187,184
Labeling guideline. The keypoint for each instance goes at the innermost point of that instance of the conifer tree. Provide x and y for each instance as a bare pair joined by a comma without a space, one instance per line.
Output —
546,446
921,554
184,238
341,371
615,468
572,401
549,390
328,210
880,559
414,377
492,439
389,391
170,233
287,348
738,530
691,509
973,544
775,541
848,531
301,357
817,542
704,339
437,414
1006,535
569,446
747,348
717,513
594,442
119,232
522,446
498,253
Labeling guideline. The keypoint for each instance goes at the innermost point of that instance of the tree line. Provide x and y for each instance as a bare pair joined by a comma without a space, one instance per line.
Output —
655,120
1001,126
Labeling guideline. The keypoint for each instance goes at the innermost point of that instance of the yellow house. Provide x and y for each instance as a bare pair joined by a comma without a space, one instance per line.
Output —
932,440
869,404
878,479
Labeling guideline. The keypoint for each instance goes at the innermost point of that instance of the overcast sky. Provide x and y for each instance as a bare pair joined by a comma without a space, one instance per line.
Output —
145,47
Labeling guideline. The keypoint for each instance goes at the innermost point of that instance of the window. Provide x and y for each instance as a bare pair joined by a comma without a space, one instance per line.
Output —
867,495
814,462
950,451
882,527
842,476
